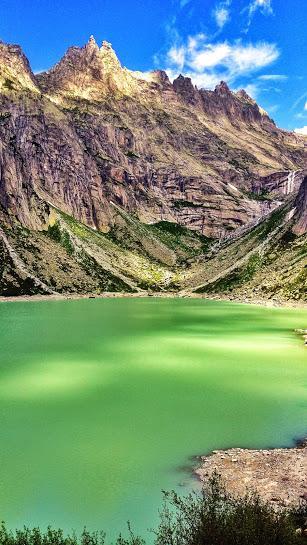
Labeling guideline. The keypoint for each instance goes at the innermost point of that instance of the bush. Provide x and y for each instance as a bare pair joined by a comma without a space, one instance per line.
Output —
216,518
212,517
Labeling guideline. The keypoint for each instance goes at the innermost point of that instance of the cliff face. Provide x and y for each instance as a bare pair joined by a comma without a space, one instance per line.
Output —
300,225
89,132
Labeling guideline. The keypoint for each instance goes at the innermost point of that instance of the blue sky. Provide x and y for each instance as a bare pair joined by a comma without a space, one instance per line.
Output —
256,44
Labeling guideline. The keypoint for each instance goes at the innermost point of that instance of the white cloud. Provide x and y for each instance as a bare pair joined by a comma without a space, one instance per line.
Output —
264,6
207,63
273,77
302,130
176,55
221,13
305,107
222,16
252,90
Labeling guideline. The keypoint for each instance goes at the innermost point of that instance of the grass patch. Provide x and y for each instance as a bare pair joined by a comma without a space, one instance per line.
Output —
180,238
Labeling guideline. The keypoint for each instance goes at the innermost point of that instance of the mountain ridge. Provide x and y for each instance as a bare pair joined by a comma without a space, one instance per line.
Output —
89,137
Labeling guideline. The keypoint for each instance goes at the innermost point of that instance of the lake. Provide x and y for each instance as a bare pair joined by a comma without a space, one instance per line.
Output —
104,402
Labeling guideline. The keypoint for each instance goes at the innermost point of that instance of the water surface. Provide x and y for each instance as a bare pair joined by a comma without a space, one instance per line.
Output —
102,402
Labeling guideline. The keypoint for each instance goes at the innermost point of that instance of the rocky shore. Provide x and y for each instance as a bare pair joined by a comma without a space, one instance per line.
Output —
279,475
160,294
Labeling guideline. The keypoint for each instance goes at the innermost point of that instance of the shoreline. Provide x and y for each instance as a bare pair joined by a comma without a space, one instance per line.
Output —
278,475
271,303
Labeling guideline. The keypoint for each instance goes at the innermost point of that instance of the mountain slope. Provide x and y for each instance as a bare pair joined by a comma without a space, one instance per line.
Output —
263,261
267,261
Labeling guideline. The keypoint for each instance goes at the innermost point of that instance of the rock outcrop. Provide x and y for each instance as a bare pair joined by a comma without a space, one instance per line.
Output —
300,225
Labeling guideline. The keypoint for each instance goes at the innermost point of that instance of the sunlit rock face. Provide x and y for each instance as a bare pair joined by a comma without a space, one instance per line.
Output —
90,132
15,71
89,72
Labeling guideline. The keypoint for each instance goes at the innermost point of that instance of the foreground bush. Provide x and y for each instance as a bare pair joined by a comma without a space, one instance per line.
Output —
216,518
212,517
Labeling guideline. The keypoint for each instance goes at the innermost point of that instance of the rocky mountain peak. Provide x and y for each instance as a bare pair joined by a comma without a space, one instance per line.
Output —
86,71
92,44
15,71
185,88
222,89
242,94
108,56
160,76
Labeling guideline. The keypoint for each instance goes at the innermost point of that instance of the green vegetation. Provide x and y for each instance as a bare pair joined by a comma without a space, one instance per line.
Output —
8,84
213,517
274,220
178,237
107,280
4,116
132,155
181,203
61,235
235,278
263,195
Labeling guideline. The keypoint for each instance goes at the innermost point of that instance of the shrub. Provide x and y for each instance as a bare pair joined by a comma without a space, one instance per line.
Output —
216,518
212,517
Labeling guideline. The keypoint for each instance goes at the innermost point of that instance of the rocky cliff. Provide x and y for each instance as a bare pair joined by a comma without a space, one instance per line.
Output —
300,226
89,132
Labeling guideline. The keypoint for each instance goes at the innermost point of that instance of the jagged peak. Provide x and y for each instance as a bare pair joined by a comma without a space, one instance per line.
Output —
161,77
15,70
244,95
92,44
184,81
222,88
107,46
107,53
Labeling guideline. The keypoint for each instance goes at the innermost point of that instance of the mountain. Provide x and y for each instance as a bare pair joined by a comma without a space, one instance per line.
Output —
122,180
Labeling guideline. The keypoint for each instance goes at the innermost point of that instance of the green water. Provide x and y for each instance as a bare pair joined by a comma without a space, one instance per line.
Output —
103,402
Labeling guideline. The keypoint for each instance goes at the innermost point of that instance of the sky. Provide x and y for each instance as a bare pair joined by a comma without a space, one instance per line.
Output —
259,45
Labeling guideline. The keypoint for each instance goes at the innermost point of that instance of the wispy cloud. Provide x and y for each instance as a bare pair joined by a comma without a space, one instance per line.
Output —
263,6
273,77
298,101
221,13
209,62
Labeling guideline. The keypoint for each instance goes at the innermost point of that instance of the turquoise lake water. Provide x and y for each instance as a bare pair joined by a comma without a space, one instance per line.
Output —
104,402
